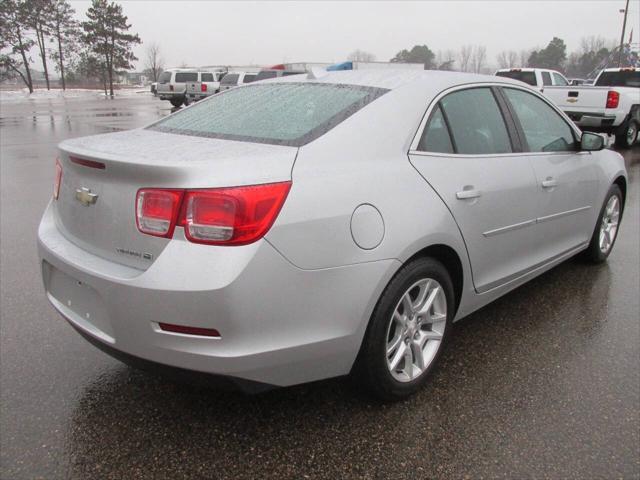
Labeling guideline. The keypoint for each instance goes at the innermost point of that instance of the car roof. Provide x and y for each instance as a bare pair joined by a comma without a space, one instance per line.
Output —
392,79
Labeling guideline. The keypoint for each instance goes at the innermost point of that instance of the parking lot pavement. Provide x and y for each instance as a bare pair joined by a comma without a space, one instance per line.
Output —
543,383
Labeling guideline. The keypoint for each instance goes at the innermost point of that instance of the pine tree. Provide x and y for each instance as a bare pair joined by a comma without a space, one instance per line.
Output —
65,31
14,41
106,34
40,16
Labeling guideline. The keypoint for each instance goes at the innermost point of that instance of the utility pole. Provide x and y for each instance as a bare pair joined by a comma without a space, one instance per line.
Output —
624,25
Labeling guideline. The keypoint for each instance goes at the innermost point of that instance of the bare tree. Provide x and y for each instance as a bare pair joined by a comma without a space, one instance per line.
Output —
445,60
478,58
361,56
154,62
465,57
507,59
524,57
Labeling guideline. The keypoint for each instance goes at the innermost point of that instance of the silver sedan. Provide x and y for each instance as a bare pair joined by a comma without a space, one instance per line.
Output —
321,225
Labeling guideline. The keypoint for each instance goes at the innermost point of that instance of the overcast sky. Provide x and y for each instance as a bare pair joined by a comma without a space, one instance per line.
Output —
239,33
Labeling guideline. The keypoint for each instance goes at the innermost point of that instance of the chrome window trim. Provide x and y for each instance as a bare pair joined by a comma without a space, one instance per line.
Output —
413,148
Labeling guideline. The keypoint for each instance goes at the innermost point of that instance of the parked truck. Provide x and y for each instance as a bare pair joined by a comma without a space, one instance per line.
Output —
611,105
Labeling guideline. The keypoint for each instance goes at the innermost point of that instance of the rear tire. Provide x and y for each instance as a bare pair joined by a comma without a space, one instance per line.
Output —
177,102
605,232
627,135
406,333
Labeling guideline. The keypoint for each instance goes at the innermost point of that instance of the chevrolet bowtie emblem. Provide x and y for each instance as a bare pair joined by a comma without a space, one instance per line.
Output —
85,197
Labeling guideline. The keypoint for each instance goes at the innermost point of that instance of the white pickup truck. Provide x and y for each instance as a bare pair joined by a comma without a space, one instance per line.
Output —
539,78
611,105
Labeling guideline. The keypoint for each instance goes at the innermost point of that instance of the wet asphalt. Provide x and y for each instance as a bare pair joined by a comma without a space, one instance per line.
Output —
543,383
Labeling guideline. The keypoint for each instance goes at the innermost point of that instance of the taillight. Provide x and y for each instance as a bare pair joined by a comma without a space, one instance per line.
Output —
220,216
171,88
232,216
57,180
157,211
203,87
613,99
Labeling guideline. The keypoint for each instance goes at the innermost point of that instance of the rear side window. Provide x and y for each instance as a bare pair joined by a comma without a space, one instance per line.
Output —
287,73
206,77
277,113
627,78
559,79
526,77
546,78
165,77
249,77
230,79
476,123
186,77
544,129
435,137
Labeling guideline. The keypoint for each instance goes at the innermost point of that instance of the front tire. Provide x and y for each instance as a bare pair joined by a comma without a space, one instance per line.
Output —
628,135
407,331
605,232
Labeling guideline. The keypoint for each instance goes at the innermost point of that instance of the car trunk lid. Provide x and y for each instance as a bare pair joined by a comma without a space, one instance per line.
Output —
102,174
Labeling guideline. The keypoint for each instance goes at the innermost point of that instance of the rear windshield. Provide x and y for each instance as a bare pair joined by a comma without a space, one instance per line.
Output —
279,113
526,77
619,79
230,79
266,74
186,77
165,77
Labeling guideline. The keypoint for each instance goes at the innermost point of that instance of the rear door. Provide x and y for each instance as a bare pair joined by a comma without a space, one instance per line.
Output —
566,178
469,154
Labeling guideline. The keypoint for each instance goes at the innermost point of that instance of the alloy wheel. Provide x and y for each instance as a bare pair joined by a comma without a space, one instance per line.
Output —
609,224
416,330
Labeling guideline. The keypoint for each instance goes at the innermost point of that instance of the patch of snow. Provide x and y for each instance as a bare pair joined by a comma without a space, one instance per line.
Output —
10,96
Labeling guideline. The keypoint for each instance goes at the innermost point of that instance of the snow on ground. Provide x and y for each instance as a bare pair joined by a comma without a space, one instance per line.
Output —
10,96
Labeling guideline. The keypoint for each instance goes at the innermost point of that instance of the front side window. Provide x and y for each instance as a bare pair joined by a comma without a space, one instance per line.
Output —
476,123
544,129
206,77
249,77
435,137
265,74
276,113
546,79
559,79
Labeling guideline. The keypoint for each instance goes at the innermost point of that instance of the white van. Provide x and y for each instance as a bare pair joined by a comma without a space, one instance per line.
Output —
172,83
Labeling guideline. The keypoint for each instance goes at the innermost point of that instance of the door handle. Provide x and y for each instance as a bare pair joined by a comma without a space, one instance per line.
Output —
549,183
468,192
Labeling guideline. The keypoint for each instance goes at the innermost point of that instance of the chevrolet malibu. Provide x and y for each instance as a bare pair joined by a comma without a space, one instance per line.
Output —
315,226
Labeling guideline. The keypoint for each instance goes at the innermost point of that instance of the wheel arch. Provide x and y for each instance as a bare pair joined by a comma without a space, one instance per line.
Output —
621,182
451,261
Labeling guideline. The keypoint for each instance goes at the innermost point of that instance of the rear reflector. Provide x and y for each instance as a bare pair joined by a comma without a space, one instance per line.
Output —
157,211
613,99
57,179
87,163
203,87
202,332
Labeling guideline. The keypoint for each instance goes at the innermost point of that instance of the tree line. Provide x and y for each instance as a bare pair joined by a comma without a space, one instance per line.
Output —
593,51
98,47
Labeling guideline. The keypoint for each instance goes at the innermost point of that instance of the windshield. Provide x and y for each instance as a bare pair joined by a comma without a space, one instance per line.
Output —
266,74
526,77
165,77
277,113
619,79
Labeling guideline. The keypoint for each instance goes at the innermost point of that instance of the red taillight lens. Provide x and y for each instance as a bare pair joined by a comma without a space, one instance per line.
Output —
613,99
199,331
57,181
171,88
203,87
232,216
157,211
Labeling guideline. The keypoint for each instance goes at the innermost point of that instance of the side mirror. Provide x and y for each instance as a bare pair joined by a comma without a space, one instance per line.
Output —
591,142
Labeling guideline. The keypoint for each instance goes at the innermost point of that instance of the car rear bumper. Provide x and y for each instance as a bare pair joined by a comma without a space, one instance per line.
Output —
279,325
